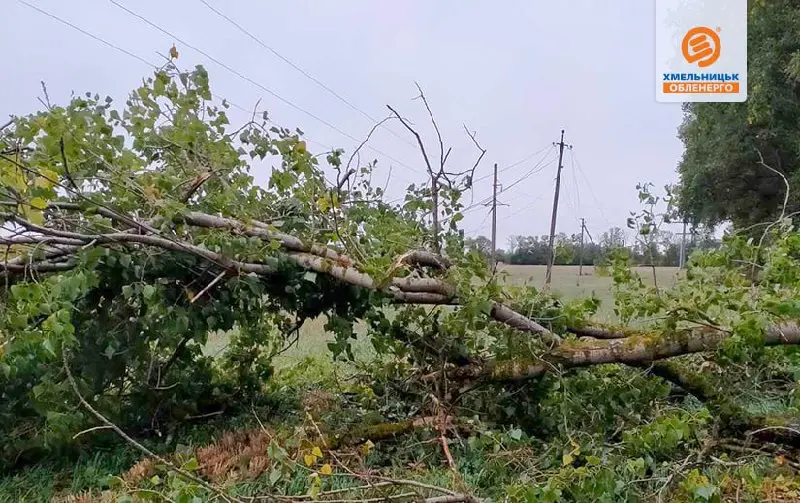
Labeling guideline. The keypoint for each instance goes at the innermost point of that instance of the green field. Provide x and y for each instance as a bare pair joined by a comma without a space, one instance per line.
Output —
567,282
313,337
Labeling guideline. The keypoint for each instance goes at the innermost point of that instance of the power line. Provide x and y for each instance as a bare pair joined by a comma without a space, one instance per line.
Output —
536,169
95,37
480,226
257,84
577,186
530,205
134,56
591,190
301,70
527,157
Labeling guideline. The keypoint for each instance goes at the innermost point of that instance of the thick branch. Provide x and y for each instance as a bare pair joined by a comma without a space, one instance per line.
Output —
634,350
121,237
313,257
603,332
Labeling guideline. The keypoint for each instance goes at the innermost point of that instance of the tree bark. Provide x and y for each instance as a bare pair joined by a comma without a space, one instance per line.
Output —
633,350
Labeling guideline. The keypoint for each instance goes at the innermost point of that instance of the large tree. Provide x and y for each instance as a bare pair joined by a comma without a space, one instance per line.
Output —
723,175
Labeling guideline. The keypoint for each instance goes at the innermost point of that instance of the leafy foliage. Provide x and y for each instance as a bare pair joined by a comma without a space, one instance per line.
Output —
722,177
542,419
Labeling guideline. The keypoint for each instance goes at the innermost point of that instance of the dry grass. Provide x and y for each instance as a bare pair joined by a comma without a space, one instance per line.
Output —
236,455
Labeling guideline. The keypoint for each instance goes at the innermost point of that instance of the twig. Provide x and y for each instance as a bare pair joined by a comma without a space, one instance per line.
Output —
768,428
375,499
348,173
96,428
66,165
446,450
203,416
433,176
342,490
785,182
480,157
414,483
183,473
208,287
442,155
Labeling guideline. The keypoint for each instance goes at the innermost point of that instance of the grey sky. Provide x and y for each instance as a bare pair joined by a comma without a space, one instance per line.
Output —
514,72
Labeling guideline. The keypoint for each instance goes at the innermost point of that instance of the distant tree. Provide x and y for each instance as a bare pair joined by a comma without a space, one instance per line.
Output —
480,243
613,237
722,177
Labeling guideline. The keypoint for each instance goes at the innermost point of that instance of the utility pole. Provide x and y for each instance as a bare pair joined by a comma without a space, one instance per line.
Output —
682,259
580,259
493,261
551,249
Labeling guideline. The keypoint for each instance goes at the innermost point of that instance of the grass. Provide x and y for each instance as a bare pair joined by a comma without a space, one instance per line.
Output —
40,482
565,280
313,339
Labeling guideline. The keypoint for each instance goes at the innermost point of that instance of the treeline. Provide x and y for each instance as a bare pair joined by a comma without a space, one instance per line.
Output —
660,249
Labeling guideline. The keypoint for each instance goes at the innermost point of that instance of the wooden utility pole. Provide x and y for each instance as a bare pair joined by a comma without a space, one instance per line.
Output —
551,249
580,259
494,220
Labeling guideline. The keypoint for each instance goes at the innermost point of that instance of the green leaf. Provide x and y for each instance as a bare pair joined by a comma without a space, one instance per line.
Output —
310,276
48,345
191,465
705,492
148,291
486,307
274,476
516,434
38,203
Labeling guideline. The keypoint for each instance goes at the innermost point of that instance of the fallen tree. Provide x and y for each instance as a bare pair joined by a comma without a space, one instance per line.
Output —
127,251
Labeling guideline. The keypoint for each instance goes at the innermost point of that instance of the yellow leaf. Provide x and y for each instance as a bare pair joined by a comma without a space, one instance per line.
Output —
326,469
316,451
173,52
42,183
567,459
309,459
38,203
367,446
316,483
49,174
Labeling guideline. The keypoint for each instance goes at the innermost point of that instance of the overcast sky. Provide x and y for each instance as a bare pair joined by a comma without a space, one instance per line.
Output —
515,72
